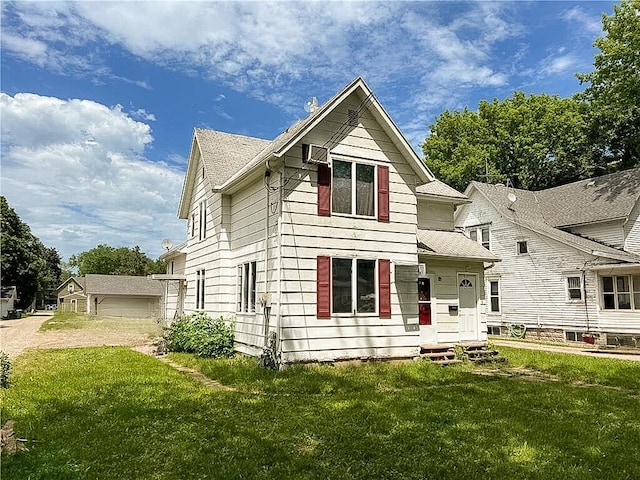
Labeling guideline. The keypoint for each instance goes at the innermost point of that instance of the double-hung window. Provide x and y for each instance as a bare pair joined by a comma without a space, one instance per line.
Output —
353,188
353,286
574,288
480,234
494,296
621,292
246,293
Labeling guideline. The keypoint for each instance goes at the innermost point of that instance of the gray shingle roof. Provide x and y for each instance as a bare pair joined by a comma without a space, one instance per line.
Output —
587,201
592,200
225,153
122,285
440,189
452,245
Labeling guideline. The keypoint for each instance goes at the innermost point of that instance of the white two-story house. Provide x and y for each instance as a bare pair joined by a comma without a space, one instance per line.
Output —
570,268
334,237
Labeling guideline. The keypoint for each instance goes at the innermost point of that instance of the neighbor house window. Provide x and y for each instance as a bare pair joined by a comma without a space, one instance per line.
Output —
573,336
246,293
200,290
481,235
202,226
353,286
494,296
522,247
353,189
621,292
574,288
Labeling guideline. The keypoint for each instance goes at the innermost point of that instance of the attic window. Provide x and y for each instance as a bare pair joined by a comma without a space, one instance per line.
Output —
70,288
353,119
523,248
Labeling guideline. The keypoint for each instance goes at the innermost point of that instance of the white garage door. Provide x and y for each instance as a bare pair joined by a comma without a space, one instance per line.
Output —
135,307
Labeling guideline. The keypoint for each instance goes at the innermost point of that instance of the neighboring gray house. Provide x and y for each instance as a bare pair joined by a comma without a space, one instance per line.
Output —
112,296
71,295
334,237
570,267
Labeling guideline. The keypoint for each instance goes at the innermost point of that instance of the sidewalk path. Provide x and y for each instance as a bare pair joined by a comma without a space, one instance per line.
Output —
560,349
18,334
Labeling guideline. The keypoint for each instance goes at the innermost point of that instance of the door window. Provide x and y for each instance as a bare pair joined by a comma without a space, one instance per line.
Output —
424,301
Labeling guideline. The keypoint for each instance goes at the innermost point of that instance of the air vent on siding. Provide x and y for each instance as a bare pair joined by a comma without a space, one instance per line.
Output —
315,154
354,118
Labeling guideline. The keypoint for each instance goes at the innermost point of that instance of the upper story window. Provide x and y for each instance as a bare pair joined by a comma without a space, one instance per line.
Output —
193,224
70,288
353,189
202,226
480,234
522,247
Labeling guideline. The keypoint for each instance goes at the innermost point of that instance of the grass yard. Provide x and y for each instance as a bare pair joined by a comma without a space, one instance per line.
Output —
82,321
112,413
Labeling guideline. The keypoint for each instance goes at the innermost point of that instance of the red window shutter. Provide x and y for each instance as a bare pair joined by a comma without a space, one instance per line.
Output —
324,190
383,193
384,287
323,302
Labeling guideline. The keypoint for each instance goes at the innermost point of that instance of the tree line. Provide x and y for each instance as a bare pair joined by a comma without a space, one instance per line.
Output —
541,141
25,262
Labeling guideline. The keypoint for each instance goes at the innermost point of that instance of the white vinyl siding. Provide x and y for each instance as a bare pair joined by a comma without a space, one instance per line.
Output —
609,233
305,235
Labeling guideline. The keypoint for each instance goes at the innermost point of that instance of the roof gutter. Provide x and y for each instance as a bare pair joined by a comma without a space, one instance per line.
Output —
443,199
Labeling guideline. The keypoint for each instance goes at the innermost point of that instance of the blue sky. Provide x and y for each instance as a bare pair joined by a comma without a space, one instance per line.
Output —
99,99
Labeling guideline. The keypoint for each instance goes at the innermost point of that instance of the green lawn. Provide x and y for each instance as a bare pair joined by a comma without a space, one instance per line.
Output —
112,413
97,324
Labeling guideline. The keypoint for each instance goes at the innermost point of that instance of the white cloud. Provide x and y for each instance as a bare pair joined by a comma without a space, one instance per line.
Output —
554,65
589,25
75,171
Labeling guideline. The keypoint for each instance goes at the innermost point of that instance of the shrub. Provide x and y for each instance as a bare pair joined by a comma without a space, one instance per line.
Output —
200,334
5,370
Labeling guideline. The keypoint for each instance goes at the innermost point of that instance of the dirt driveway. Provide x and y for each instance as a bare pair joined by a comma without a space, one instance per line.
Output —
18,335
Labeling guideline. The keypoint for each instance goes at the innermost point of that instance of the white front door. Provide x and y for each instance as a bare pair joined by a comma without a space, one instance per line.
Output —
74,305
426,312
468,306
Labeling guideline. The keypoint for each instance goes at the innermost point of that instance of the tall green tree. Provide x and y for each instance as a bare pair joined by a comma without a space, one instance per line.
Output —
614,90
535,142
25,262
108,260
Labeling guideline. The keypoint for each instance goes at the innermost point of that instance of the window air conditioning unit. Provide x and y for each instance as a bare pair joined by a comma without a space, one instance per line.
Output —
315,154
